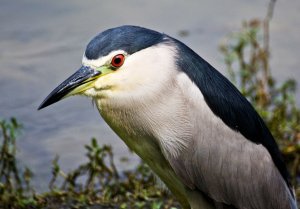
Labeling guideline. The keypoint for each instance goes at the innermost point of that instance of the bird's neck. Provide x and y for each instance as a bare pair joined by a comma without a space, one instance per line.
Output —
145,130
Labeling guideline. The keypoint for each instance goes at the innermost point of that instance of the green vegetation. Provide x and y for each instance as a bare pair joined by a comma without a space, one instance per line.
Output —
98,184
15,184
94,184
104,185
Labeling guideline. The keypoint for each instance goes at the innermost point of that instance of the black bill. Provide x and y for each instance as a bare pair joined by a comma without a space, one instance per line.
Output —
82,76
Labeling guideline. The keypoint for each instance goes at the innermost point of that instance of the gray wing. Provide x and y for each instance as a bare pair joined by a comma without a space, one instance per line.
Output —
223,164
233,171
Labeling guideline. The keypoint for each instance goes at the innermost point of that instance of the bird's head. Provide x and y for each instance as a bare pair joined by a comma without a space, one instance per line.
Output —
124,62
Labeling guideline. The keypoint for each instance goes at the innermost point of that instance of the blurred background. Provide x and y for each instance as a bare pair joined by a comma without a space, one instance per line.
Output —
42,43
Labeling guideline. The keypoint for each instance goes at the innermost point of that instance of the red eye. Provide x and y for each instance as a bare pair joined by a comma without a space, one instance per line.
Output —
118,60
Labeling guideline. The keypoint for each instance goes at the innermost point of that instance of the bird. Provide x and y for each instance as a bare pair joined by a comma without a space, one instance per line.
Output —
187,121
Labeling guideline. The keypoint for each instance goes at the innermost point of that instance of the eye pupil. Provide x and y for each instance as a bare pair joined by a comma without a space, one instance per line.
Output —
118,60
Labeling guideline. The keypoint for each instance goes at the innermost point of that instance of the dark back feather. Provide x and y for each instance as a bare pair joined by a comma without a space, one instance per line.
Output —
226,102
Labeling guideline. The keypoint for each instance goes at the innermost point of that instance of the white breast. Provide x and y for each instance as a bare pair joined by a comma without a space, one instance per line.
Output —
148,111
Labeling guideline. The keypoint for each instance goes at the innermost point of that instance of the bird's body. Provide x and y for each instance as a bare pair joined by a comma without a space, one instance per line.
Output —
184,119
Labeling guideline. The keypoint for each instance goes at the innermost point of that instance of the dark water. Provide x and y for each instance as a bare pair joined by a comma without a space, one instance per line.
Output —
42,42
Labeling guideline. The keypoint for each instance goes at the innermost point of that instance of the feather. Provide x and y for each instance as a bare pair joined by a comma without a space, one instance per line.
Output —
227,103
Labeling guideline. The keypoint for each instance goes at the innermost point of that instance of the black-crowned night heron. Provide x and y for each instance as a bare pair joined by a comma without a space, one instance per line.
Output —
183,118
